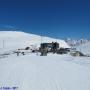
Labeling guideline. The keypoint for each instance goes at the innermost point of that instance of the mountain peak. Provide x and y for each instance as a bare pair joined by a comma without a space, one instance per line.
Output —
19,39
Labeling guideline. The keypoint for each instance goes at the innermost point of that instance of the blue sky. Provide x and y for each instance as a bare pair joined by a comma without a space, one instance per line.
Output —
55,18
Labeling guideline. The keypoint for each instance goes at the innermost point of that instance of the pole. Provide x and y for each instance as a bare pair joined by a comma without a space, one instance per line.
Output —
41,39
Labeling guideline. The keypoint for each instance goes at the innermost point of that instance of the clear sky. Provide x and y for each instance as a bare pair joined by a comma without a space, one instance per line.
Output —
55,18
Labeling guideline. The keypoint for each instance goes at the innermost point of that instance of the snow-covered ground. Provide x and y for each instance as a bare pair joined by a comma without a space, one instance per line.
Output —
11,40
35,72
52,72
84,48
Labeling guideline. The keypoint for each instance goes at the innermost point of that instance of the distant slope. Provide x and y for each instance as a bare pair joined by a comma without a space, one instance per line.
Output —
16,39
84,48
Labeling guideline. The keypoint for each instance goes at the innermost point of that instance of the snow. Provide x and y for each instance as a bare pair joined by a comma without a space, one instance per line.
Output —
84,48
73,42
10,40
35,72
54,72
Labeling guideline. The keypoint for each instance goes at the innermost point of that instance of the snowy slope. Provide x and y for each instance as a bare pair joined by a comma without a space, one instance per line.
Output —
53,72
15,39
32,72
84,48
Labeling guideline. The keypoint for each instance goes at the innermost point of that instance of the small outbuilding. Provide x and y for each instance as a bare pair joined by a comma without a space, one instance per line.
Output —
48,47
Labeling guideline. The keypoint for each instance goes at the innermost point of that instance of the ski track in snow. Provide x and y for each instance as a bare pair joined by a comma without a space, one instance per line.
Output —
54,72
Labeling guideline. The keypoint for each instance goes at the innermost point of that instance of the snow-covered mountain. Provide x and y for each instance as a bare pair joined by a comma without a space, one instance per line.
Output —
84,48
10,40
82,45
34,72
78,42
